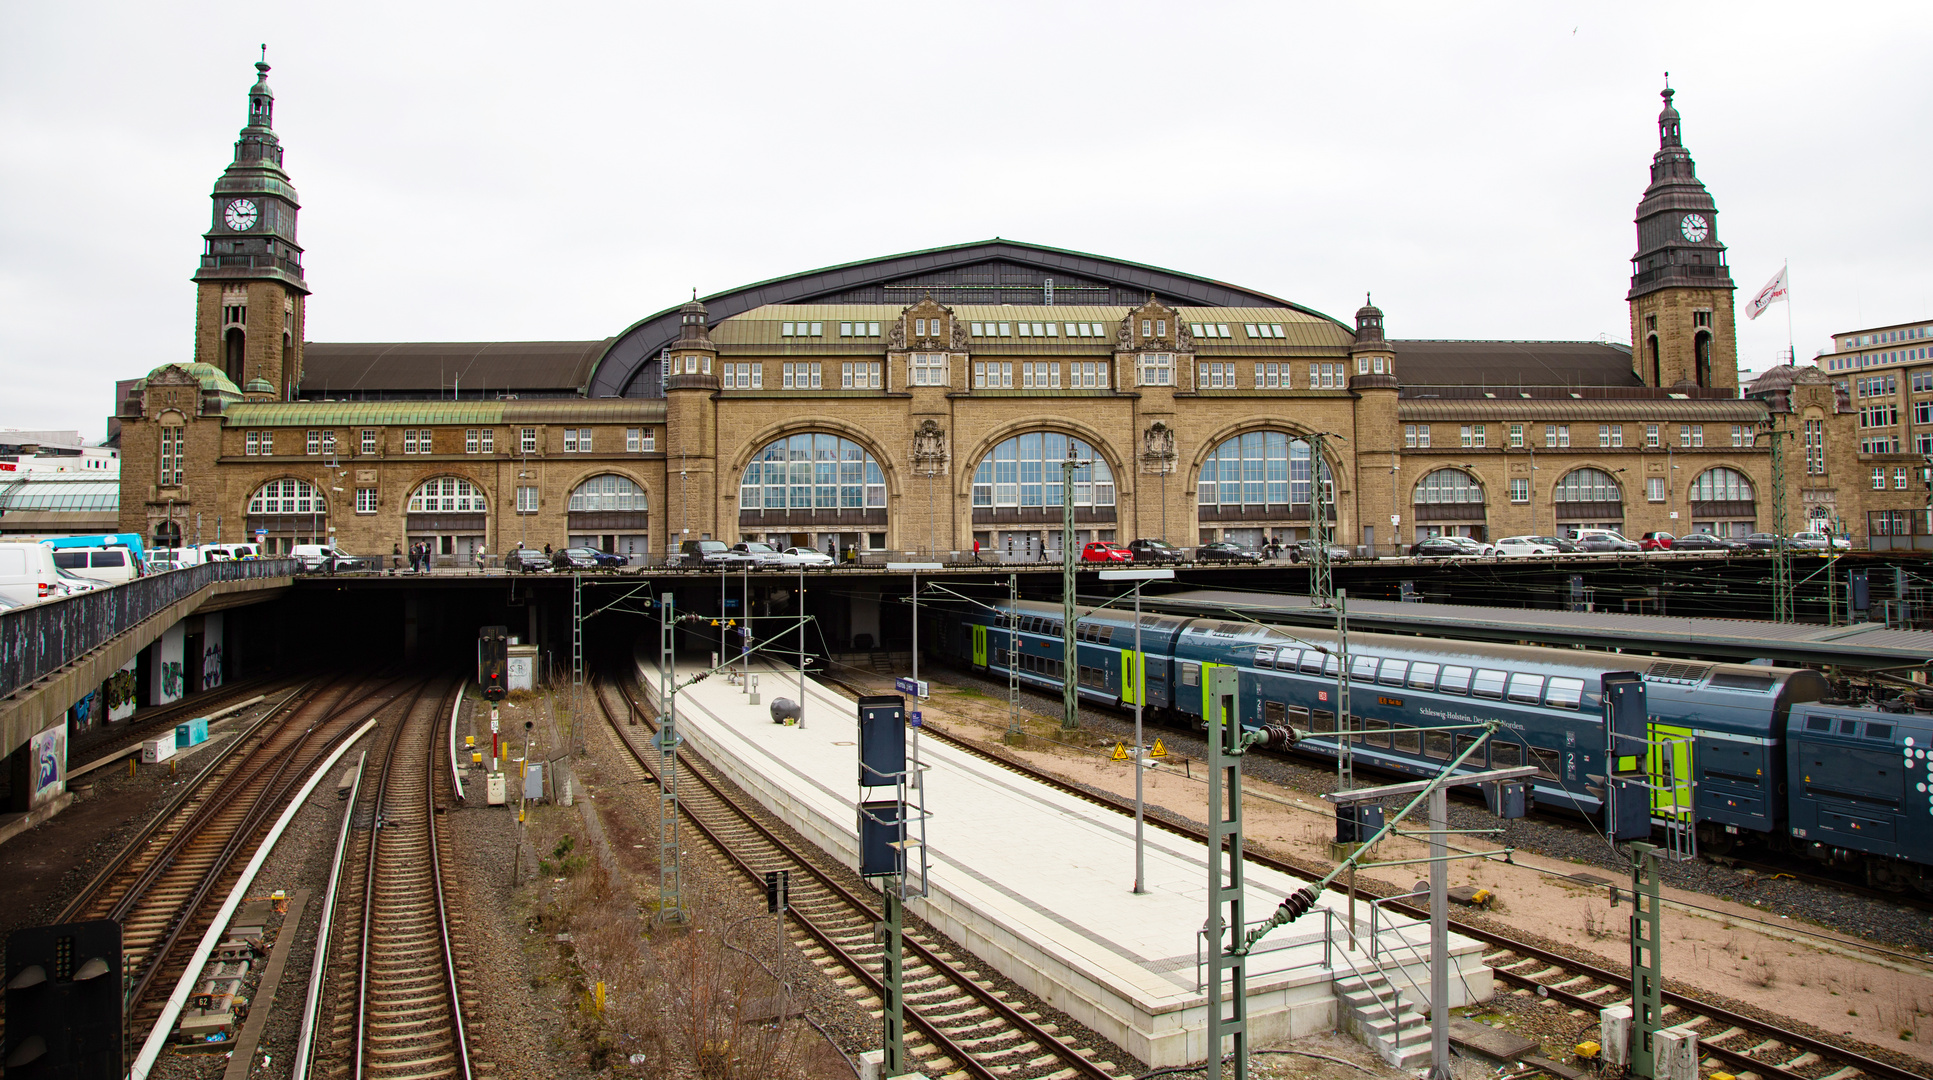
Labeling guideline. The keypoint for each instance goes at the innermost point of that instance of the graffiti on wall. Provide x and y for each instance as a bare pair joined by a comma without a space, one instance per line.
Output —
119,692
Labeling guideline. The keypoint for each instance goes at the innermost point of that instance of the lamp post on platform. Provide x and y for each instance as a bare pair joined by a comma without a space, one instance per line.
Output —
1140,691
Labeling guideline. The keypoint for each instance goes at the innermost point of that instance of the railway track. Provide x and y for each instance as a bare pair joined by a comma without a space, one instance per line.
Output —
958,1025
164,888
1736,1041
147,722
391,1001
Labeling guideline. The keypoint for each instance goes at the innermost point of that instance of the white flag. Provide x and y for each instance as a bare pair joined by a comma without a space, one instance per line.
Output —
1773,292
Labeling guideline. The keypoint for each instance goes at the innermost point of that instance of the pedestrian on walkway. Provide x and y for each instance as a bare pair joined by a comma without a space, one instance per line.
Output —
395,559
976,549
483,557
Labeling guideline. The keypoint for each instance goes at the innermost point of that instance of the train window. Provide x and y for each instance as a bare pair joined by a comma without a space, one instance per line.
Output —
1376,733
1265,656
1506,755
1818,723
1363,669
1322,722
1527,689
1298,717
1456,680
1406,738
1733,681
1488,683
1422,676
1879,731
1392,672
1848,727
1191,674
1285,659
1547,762
1436,744
1564,693
1273,713
1312,661
1464,742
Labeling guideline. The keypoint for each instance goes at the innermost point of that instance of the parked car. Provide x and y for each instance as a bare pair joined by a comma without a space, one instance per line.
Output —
708,552
1154,551
1655,541
1762,541
804,556
1226,551
1691,542
1603,540
1451,547
584,558
1305,551
224,552
110,565
1520,546
322,558
174,558
1106,551
525,561
757,554
69,583
1820,541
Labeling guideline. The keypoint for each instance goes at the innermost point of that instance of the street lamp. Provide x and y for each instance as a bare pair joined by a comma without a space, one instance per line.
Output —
1140,691
915,567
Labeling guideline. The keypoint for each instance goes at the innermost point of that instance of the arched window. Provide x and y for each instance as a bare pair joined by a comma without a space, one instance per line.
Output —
1448,486
1588,485
1260,468
1025,472
607,492
1702,350
812,472
288,497
447,495
1721,485
167,534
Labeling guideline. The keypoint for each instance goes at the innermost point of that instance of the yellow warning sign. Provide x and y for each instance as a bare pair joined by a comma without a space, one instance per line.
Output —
1159,750
1120,752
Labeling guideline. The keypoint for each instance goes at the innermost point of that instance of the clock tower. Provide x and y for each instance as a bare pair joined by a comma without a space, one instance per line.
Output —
249,288
1682,329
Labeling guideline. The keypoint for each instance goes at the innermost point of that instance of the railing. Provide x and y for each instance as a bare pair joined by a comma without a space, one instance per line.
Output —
39,639
1327,963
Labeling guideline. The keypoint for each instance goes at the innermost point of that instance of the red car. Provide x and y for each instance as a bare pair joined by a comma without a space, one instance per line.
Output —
1106,551
1655,541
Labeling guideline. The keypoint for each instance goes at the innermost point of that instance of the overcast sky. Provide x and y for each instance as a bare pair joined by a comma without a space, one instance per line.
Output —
523,171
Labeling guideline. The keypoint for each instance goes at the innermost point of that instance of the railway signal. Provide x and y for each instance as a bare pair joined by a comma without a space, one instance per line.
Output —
64,1001
493,661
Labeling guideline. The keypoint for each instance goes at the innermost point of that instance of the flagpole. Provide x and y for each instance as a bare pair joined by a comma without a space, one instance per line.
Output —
1791,350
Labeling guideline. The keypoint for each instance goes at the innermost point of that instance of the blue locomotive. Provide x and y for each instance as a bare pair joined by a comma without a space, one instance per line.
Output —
1732,740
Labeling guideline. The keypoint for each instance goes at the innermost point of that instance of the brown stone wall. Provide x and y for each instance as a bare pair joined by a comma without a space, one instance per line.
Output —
1674,309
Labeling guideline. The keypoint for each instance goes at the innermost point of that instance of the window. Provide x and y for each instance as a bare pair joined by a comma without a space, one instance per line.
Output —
859,375
1526,689
1922,381
1923,444
650,440
1654,489
812,472
171,455
743,377
314,443
1259,468
800,329
1216,376
1157,369
1741,435
250,442
1587,485
864,329
368,441
1025,471
1815,447
1604,435
633,440
1923,412
1040,375
608,492
447,495
1557,435
993,376
527,500
1879,478
930,369
1448,486
1701,318
1416,436
1899,478
365,500
472,441
1691,435
1422,676
528,440
1326,376
920,328
1456,680
416,441
801,376
1271,376
1516,435
287,497
1473,435
1487,684
328,442
1519,490
1879,416
1884,444
1651,434
1087,375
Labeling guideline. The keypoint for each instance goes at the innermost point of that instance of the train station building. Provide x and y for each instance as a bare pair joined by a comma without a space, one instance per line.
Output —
925,401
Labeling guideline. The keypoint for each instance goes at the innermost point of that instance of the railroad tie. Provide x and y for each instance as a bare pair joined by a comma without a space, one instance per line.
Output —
1846,1073
1728,1033
1769,1046
1800,1062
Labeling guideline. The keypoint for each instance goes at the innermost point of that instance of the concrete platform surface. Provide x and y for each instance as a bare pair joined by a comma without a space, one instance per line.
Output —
1037,883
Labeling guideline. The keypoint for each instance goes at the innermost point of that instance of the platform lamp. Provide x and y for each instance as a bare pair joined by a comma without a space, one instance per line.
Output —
915,568
1140,691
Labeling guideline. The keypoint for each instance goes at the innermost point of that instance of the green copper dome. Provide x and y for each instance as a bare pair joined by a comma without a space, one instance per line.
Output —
259,385
208,375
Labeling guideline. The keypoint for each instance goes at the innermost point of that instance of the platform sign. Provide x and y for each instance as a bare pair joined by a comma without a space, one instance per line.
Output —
493,725
915,687
915,718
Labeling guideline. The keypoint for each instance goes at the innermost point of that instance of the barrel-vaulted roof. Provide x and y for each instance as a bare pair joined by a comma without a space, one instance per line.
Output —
993,271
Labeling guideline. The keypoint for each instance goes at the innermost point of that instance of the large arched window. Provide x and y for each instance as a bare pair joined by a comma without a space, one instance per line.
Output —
288,497
1446,486
608,492
447,495
1721,485
815,472
1025,473
1588,485
1260,468
167,534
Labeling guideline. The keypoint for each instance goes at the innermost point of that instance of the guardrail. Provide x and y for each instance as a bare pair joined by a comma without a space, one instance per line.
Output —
39,639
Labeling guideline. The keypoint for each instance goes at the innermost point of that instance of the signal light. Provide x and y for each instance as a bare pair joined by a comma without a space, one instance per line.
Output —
493,654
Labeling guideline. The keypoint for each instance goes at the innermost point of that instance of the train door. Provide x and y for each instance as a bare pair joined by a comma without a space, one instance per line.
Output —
1133,678
1669,763
979,645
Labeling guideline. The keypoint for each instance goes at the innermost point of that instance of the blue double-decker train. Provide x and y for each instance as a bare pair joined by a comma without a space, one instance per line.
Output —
1741,752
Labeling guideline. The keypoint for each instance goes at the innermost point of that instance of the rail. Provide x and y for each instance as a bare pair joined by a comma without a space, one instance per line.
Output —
39,639
456,775
305,1040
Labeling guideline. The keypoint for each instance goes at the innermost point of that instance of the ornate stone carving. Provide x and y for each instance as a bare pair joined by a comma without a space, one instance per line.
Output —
1158,448
959,335
1124,336
896,337
929,448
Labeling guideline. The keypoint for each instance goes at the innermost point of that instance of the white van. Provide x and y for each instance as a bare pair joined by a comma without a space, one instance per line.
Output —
227,552
28,573
111,565
173,558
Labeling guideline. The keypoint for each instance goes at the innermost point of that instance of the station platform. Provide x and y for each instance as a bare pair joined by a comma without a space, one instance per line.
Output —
1036,883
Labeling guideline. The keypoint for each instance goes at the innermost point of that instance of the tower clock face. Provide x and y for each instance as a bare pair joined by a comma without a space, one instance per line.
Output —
1695,227
241,215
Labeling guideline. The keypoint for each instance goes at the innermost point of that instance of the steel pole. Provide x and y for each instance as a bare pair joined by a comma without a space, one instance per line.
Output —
1140,689
916,631
1439,935
801,644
